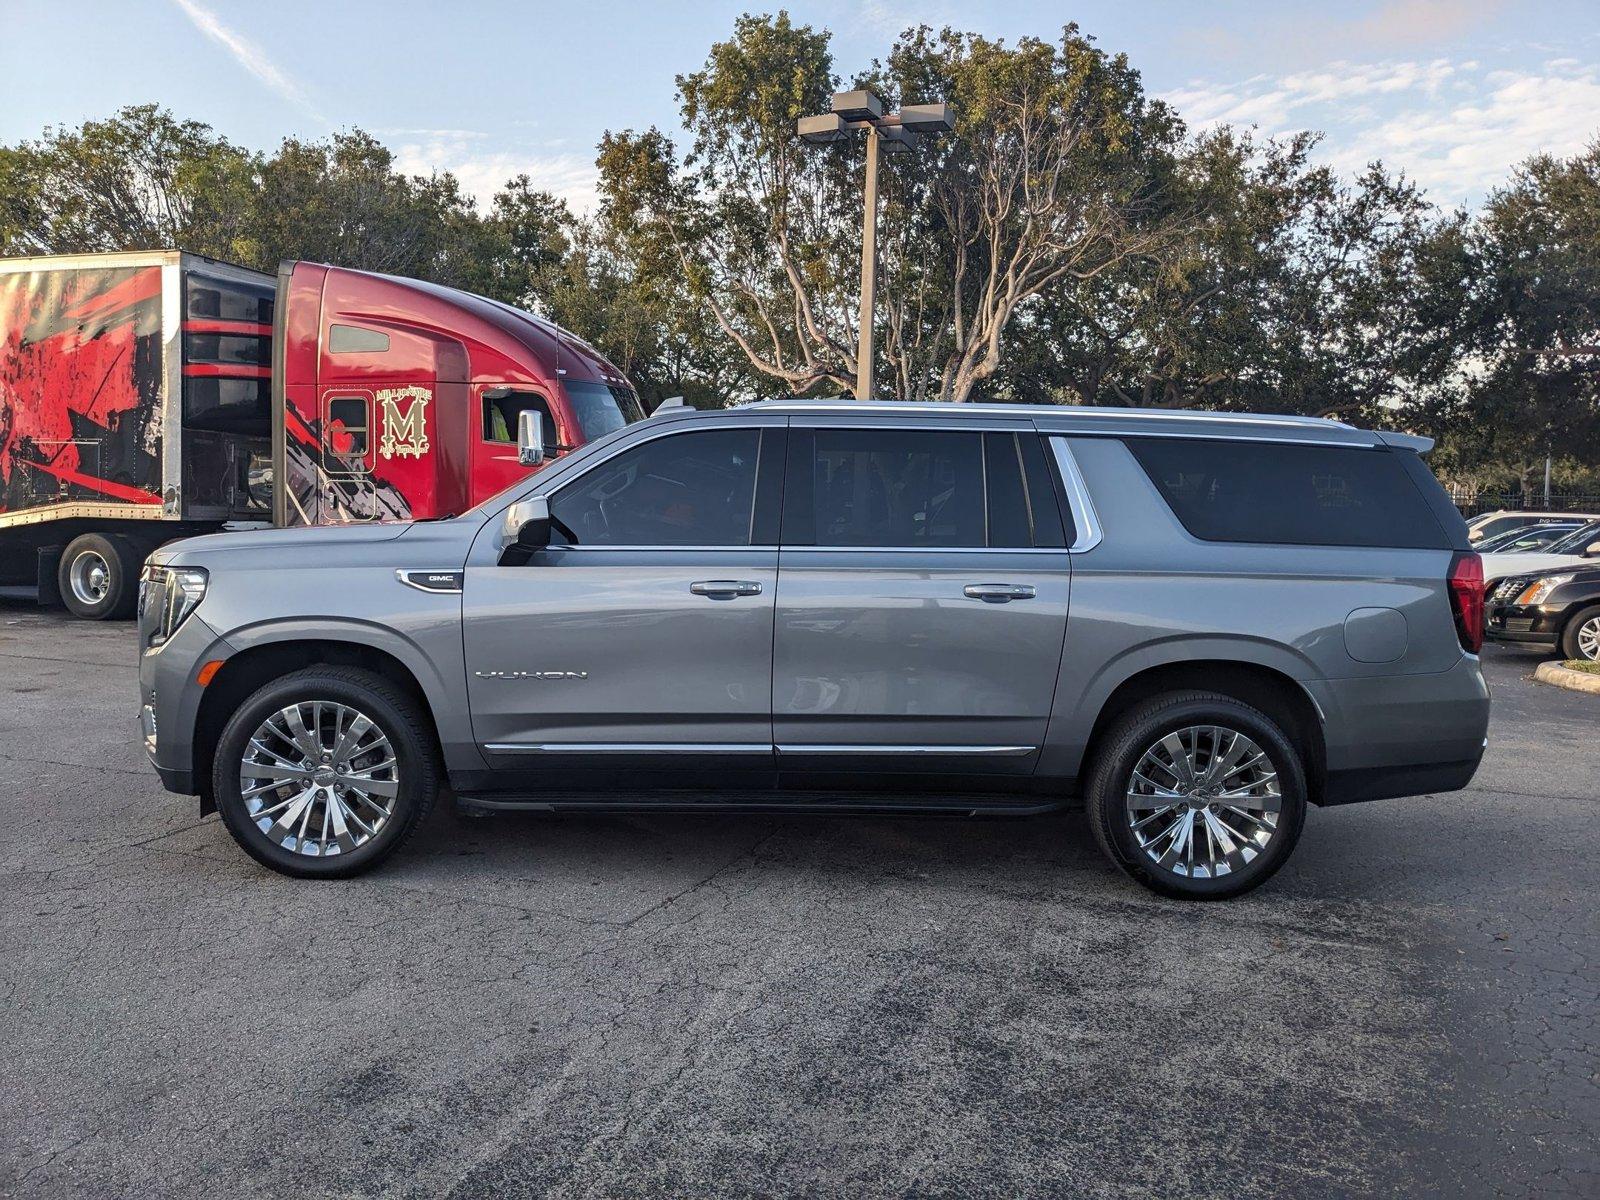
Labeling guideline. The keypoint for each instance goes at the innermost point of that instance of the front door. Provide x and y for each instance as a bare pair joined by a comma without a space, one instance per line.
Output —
643,635
922,602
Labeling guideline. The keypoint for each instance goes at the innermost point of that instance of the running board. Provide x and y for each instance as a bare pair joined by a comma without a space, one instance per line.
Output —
826,803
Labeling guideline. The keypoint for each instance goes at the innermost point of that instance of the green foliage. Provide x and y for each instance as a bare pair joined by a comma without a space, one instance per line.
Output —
140,180
1525,278
1071,243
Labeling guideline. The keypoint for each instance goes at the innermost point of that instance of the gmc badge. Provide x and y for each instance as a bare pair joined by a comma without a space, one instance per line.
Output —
439,582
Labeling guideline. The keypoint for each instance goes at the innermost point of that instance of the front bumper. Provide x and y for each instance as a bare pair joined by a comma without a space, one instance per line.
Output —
169,700
1536,623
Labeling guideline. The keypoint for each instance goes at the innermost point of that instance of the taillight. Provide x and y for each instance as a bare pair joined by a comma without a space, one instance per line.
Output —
1466,600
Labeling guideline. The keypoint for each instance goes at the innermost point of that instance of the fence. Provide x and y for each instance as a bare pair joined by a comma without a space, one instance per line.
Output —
1472,502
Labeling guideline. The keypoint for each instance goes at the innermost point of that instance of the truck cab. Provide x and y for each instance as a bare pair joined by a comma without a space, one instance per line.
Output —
396,399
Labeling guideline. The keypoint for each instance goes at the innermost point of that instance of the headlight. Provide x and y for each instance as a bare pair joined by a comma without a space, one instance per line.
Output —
178,590
1535,592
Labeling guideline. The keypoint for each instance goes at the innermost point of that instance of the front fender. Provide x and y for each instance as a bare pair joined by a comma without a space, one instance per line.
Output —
433,662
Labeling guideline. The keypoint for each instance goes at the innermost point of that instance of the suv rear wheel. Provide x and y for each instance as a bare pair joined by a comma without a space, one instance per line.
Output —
325,772
1197,795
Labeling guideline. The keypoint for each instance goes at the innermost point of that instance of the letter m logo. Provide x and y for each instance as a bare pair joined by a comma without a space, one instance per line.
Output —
404,414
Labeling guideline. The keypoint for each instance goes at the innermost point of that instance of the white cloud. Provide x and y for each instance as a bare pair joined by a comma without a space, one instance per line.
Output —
1455,128
483,170
248,55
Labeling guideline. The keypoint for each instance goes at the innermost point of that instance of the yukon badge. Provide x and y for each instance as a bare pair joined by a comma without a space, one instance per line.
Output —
545,676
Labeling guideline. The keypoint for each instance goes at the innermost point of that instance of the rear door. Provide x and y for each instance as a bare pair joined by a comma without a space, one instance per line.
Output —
922,600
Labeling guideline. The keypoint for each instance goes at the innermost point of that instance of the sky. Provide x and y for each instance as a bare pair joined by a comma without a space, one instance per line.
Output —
1452,92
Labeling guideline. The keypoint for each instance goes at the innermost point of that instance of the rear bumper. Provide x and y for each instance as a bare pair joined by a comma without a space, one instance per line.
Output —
1385,783
1403,735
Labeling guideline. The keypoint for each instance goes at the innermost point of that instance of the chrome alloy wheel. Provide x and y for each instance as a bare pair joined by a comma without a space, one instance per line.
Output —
89,577
319,778
1203,801
1589,639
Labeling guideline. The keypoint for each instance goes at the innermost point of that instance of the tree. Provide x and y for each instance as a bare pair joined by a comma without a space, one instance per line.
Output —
341,201
1527,282
1277,287
140,180
1044,182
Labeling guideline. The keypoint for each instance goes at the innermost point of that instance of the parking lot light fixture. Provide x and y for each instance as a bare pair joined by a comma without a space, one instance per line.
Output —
894,133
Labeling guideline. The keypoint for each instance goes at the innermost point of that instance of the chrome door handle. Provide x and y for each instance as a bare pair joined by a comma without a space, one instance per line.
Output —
999,593
725,589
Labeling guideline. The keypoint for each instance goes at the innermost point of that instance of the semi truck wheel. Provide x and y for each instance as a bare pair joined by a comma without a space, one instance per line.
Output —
98,577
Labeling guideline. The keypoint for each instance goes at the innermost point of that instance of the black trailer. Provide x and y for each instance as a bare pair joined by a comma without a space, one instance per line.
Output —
135,407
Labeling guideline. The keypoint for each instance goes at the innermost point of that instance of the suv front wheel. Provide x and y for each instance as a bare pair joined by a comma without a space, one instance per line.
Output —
325,772
1197,795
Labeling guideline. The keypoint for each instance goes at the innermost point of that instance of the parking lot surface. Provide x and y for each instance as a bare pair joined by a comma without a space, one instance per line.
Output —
754,1005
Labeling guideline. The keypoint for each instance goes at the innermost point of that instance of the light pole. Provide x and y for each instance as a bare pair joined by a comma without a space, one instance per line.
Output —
894,132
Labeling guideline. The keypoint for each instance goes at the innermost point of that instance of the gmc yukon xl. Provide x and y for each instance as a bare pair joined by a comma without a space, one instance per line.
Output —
1195,625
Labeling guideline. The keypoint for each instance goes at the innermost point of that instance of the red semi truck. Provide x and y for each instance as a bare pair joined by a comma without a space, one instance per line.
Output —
148,396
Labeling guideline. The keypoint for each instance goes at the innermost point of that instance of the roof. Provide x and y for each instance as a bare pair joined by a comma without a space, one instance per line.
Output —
1086,419
947,408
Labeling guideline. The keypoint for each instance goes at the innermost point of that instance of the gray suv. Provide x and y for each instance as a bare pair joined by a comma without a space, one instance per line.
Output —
1194,624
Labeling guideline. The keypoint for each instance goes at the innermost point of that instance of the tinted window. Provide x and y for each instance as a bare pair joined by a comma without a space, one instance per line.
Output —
600,409
689,489
1303,495
346,434
1578,540
876,487
352,339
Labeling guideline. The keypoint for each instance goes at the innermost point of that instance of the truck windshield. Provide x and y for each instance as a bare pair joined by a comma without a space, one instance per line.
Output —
600,409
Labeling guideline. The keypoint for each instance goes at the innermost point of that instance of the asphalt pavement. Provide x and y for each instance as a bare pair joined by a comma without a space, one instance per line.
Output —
751,1005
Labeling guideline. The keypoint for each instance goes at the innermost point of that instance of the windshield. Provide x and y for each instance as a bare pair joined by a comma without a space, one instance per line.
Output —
600,409
1578,540
1522,539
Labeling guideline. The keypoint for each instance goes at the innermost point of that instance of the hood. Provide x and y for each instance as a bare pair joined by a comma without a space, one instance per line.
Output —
312,539
1503,566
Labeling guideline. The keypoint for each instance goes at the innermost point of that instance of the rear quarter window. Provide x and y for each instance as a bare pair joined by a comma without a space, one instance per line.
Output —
1268,492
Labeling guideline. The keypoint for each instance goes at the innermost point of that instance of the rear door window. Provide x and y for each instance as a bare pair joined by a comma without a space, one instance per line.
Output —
1268,492
913,488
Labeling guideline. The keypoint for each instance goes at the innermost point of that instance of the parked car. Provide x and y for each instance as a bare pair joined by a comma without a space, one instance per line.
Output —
1575,549
1196,623
1486,525
1525,538
1557,608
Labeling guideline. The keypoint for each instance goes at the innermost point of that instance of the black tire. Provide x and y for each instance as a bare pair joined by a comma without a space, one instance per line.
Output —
1570,647
398,718
1122,748
93,560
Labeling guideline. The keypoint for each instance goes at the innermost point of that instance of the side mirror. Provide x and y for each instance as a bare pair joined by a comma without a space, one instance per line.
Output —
533,521
526,531
1592,550
530,437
